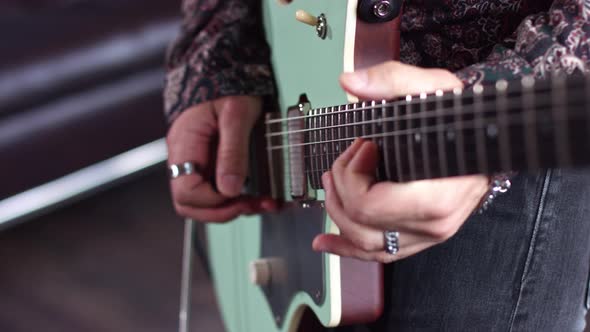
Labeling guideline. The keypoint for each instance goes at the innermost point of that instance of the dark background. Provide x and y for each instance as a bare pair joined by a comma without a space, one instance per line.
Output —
110,262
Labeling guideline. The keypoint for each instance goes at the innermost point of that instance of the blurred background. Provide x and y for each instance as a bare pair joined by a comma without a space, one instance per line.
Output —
88,238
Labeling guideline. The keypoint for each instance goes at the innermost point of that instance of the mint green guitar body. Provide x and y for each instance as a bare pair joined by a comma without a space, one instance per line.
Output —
303,63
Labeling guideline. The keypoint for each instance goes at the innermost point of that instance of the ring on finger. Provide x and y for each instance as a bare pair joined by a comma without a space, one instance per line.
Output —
185,168
391,242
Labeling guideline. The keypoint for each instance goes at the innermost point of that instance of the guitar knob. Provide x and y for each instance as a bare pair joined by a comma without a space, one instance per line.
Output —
260,272
319,23
305,17
263,271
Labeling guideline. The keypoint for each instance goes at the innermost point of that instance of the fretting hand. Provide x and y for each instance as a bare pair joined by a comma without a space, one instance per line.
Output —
424,213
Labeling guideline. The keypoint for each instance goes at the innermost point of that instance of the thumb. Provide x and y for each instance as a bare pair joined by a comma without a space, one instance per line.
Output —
237,116
393,79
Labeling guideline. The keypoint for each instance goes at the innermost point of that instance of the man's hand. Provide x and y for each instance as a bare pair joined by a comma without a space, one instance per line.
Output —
423,212
215,136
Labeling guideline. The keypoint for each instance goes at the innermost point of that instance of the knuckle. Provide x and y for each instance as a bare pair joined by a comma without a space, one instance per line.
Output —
338,165
439,210
183,195
357,213
181,210
364,243
442,231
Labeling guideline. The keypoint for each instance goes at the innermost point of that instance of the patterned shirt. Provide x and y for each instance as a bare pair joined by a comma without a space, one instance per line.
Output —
221,50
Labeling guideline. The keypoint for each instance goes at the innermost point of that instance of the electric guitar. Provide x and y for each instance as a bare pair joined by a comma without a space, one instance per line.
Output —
266,276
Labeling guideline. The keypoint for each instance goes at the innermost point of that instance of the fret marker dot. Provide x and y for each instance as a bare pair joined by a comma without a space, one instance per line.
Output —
528,81
492,130
502,85
478,89
450,135
417,137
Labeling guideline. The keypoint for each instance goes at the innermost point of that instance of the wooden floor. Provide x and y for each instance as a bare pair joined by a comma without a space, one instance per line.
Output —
110,263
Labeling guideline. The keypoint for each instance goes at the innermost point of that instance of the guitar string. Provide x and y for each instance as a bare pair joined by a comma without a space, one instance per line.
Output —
469,124
431,97
444,111
421,114
436,113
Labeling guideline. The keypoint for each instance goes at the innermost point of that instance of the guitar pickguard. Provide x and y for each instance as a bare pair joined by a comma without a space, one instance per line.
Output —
287,239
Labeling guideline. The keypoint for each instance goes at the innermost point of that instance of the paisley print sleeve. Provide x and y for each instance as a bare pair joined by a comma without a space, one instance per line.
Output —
220,51
556,40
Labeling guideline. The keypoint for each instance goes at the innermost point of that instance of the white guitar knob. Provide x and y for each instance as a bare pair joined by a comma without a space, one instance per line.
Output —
260,272
305,17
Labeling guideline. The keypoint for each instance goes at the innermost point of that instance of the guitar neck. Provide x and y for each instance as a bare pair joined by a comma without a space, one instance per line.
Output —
519,125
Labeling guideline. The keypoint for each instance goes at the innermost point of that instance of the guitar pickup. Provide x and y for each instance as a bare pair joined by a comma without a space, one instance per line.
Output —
296,133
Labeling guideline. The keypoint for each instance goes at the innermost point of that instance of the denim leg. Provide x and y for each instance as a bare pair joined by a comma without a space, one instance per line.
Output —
523,265
554,288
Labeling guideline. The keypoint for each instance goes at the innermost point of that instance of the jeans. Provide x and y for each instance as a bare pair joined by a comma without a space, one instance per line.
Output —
522,265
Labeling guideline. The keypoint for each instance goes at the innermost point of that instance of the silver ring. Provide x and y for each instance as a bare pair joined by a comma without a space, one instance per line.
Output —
391,242
185,168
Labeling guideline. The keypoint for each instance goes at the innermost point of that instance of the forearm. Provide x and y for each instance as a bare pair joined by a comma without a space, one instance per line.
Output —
221,51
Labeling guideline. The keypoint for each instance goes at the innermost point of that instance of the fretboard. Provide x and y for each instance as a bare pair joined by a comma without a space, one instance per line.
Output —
519,125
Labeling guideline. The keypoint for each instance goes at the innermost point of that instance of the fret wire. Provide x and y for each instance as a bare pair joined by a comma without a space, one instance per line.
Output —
309,156
357,132
459,137
425,155
364,120
317,158
487,106
332,134
348,128
482,162
323,135
341,131
561,128
377,139
514,119
529,115
504,132
442,148
397,145
386,159
410,141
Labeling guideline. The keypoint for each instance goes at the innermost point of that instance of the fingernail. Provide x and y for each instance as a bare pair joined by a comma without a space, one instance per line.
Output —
316,245
357,79
231,184
326,180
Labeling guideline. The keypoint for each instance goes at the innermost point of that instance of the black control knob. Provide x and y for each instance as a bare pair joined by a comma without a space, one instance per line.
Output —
378,11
